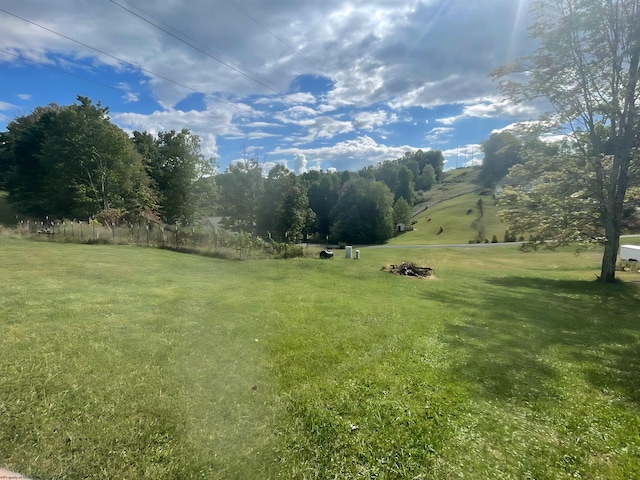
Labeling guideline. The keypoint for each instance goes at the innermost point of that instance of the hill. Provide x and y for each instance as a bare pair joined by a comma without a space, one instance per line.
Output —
455,211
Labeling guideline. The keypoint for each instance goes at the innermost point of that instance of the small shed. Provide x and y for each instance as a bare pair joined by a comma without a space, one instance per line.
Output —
630,252
400,227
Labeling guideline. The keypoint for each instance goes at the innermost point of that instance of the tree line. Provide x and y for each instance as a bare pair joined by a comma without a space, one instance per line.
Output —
72,162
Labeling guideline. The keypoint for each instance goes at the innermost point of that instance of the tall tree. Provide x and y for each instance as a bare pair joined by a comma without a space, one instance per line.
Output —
502,151
240,190
364,212
178,169
73,162
405,186
587,68
402,211
323,196
284,204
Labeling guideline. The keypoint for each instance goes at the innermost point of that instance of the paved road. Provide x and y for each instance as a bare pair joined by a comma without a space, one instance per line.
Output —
468,245
453,245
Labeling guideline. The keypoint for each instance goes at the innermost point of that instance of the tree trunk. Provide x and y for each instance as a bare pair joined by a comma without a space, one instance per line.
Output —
610,255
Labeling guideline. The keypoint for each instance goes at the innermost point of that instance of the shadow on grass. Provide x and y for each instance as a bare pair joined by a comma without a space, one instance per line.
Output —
518,336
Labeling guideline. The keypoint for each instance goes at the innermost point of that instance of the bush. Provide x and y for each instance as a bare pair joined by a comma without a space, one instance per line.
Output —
284,250
494,239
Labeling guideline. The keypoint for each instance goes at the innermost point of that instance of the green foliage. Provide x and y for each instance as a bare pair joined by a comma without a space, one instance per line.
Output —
587,67
182,178
284,207
323,196
72,161
557,202
501,152
405,188
364,213
241,188
427,179
402,211
7,215
284,250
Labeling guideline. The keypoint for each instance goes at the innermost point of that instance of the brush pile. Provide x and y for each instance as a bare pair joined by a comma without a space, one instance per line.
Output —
409,270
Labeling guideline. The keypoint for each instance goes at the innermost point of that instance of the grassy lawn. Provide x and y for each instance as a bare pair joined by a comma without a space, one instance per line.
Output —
127,362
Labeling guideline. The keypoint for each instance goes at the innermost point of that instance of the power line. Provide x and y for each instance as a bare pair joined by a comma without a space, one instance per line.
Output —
204,52
115,58
281,40
51,67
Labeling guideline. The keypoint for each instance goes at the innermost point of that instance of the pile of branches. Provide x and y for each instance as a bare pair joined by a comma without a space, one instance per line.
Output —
410,270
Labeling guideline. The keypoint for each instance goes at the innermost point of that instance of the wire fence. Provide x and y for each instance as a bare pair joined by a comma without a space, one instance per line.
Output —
151,234
203,239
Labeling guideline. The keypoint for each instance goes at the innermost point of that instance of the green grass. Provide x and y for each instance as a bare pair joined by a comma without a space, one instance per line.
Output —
459,225
126,362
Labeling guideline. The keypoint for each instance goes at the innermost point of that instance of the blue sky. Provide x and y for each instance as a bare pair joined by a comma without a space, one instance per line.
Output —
331,84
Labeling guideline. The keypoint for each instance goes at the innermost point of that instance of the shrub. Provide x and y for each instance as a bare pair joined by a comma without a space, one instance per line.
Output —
284,250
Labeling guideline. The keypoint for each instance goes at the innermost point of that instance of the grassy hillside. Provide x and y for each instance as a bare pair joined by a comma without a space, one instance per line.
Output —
450,213
134,363
460,219
455,182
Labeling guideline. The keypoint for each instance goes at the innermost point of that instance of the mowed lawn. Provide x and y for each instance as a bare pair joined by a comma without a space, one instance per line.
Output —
129,362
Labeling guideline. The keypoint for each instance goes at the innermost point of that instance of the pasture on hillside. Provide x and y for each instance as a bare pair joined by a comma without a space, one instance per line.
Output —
464,218
131,362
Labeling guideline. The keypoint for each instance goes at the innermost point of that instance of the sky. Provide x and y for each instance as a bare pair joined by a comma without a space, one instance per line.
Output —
311,84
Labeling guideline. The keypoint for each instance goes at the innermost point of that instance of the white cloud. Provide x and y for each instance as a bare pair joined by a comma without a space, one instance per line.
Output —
371,120
493,107
439,134
299,163
350,154
7,106
366,56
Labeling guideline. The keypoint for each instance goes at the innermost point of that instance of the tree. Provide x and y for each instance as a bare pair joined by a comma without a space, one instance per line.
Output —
364,212
178,170
284,205
405,186
323,197
240,188
557,203
426,180
505,149
402,212
502,151
587,68
422,159
73,162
